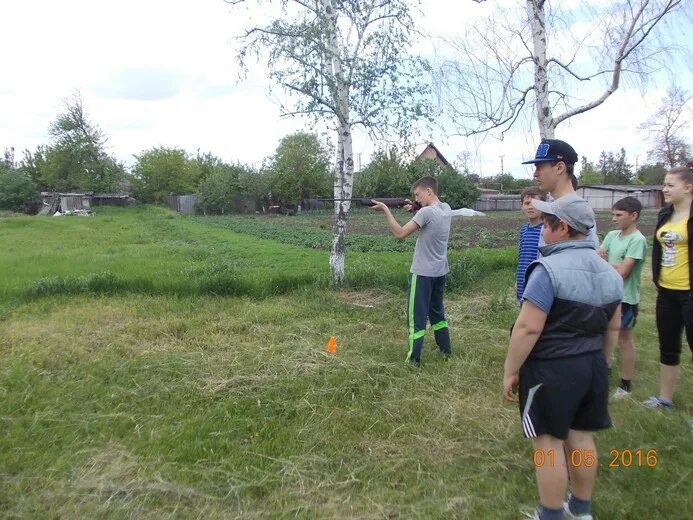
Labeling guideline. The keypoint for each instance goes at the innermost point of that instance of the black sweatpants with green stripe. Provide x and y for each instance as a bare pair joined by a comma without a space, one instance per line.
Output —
424,303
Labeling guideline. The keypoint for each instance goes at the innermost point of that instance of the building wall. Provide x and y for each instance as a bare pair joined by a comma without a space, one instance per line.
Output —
184,204
604,199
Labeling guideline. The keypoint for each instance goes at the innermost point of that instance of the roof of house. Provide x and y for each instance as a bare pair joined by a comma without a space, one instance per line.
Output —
422,148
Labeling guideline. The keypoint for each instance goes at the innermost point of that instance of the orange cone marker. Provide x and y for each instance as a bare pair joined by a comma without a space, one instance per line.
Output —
331,346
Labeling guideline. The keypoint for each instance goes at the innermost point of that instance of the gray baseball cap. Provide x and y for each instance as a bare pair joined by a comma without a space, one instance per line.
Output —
573,210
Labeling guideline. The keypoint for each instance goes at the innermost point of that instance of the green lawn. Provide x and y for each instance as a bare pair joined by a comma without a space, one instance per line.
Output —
132,389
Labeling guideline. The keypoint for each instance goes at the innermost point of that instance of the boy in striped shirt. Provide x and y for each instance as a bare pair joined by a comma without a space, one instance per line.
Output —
528,249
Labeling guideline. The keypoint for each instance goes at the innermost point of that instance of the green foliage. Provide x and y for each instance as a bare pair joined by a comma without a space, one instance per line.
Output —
16,189
427,168
453,188
385,176
160,172
300,168
378,84
224,184
614,169
651,174
589,174
32,163
76,159
503,182
457,190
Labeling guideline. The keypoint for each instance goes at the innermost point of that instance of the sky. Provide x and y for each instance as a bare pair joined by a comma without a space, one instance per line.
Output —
164,73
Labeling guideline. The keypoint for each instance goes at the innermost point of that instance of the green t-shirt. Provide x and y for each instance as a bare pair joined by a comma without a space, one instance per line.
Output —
630,246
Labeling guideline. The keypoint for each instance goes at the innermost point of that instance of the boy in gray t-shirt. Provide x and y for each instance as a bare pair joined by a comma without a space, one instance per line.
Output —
428,268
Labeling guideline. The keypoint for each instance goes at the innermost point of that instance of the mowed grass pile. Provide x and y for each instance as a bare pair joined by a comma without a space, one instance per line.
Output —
142,402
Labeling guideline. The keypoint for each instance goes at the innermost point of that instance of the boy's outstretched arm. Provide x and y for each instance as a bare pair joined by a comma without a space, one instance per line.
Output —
399,232
526,332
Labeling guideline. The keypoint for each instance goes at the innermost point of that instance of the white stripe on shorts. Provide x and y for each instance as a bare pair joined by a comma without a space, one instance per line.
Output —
527,425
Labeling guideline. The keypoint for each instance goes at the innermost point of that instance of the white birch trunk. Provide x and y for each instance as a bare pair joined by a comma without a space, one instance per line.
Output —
344,167
343,182
537,22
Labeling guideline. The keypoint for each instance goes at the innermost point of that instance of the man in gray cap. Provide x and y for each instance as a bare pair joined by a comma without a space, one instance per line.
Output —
554,171
570,310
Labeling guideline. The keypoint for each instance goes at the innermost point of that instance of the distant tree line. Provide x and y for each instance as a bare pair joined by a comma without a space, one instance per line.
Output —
76,159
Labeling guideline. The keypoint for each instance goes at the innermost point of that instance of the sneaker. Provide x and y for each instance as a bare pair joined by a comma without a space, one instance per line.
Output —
656,402
569,515
620,393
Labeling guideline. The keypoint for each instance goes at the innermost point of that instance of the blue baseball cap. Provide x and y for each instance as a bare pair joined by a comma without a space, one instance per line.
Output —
554,150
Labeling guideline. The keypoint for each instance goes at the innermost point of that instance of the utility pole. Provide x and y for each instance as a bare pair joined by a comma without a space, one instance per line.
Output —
501,158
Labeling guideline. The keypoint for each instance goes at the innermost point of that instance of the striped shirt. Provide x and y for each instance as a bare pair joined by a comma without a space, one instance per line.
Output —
528,251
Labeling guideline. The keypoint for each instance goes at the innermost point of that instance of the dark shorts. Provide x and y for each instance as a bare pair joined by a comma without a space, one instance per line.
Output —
629,315
557,395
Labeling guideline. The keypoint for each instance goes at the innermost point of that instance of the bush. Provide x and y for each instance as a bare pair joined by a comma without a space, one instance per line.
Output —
223,185
385,176
160,172
17,190
457,190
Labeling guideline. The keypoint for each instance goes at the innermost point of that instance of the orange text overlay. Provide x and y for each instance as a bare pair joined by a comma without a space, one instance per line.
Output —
626,458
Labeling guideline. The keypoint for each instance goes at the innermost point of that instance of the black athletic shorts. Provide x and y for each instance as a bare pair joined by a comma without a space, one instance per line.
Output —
629,315
557,395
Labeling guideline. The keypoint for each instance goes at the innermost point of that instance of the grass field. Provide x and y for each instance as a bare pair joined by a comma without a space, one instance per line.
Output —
156,366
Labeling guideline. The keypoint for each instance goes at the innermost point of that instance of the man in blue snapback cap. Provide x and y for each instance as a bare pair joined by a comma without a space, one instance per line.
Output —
554,171
555,167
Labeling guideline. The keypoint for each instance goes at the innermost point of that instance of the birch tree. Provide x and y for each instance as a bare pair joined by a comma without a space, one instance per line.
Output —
536,56
343,62
665,129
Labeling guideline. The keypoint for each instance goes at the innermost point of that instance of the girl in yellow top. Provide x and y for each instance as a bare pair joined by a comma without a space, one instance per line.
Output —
672,272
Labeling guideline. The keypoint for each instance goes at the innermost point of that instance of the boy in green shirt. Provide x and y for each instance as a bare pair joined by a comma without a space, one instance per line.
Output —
625,249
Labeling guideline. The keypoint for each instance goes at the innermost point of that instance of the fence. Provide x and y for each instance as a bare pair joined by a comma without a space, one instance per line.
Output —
603,199
184,204
499,203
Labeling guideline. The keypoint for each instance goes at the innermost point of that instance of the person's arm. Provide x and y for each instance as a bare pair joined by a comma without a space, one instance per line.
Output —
603,250
399,232
634,253
625,267
525,334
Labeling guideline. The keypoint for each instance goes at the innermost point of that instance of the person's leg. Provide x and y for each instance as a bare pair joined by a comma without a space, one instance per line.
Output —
687,309
668,379
550,467
669,328
582,465
609,350
626,345
418,302
436,316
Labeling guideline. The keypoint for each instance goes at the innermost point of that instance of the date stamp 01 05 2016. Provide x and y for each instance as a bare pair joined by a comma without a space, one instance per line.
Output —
626,458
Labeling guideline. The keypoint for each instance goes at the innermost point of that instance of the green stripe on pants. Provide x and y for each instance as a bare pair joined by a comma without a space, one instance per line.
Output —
440,325
412,293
